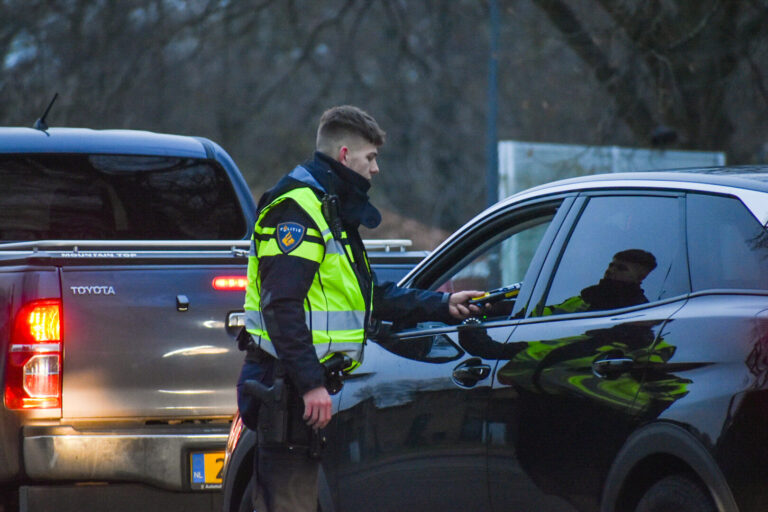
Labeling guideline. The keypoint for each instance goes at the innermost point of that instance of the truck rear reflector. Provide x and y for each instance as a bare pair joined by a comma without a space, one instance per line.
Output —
33,370
230,283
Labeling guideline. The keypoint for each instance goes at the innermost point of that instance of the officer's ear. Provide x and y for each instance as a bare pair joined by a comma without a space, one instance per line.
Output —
342,156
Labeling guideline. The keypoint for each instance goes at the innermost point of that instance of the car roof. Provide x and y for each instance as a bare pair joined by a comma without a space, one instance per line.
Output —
85,140
751,177
752,180
749,183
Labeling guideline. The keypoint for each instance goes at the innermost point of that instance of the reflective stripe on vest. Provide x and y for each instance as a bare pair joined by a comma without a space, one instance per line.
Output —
319,320
335,310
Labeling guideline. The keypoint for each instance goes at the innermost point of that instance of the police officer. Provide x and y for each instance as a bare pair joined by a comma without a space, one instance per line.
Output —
311,293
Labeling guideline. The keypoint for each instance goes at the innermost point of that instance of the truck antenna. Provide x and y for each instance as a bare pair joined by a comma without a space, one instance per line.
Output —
40,124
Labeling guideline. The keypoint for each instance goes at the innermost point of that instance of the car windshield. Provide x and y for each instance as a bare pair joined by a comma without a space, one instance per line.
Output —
116,197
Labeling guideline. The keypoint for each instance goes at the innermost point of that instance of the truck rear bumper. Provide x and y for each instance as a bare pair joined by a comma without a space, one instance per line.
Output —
114,498
159,458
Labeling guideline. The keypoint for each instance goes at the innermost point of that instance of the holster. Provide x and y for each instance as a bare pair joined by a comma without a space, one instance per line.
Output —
281,423
334,372
273,409
273,419
281,410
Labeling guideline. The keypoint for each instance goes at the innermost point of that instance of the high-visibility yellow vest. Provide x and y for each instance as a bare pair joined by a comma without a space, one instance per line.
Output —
335,309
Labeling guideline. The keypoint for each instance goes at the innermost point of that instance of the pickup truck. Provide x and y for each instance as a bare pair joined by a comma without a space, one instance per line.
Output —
122,269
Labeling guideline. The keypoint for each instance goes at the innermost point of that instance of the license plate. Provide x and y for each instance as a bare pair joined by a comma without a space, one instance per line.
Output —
206,469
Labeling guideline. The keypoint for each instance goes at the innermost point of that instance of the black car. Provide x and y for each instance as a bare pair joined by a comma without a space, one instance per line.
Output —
629,372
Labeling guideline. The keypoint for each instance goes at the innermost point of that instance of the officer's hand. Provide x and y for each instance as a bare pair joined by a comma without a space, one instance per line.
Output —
317,407
459,306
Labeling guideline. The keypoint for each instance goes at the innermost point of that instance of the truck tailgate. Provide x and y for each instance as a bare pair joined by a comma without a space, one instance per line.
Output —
131,350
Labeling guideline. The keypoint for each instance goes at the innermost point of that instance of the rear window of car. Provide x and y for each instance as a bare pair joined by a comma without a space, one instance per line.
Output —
727,246
116,197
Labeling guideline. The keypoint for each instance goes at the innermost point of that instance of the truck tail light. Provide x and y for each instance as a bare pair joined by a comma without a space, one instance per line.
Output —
33,369
235,432
230,282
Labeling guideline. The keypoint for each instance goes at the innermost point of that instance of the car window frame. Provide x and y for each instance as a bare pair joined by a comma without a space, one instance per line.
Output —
437,267
557,250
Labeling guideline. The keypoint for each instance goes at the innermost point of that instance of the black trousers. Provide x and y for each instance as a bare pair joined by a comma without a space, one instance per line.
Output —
285,478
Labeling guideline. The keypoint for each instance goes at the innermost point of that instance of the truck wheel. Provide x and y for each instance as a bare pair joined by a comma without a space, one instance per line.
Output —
676,493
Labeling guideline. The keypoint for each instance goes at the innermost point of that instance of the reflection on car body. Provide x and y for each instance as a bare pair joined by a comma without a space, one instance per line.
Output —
641,387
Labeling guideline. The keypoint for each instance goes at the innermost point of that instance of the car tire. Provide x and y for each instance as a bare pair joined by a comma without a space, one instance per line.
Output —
676,493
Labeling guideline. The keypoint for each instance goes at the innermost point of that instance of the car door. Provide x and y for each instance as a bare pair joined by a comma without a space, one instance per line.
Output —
412,425
563,405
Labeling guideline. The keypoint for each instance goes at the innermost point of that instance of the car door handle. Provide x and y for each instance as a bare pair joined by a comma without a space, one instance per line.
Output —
470,372
613,367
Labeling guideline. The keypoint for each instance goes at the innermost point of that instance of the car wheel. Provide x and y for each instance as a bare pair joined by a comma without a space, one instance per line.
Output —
676,493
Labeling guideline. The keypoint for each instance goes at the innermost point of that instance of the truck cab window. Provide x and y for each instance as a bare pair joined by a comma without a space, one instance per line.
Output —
116,197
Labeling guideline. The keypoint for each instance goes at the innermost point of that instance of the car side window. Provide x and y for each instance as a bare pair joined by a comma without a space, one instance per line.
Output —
623,251
727,246
499,259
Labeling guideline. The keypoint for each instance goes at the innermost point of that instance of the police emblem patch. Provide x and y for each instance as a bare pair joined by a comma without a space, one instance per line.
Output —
289,236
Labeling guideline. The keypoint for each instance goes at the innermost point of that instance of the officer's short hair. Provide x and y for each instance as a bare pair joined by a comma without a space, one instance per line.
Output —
638,256
339,122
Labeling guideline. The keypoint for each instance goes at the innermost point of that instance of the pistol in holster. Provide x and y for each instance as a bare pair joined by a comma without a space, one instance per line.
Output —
280,421
273,410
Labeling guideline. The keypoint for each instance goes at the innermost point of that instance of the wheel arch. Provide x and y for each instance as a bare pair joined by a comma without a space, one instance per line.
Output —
656,451
241,466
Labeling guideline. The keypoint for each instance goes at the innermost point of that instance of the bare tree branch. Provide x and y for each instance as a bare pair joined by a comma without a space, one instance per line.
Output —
696,31
304,55
757,78
395,13
631,108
